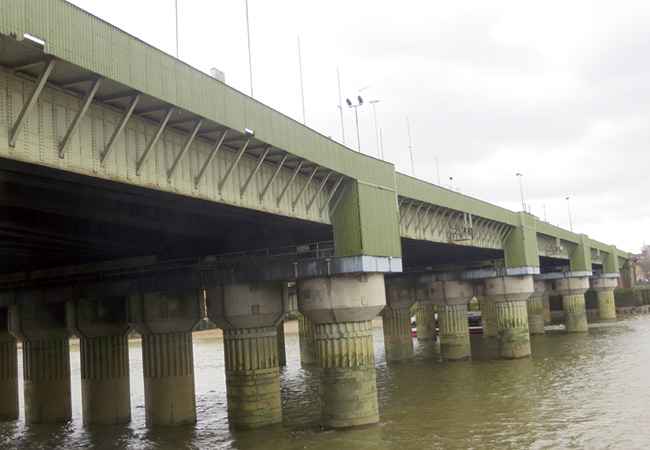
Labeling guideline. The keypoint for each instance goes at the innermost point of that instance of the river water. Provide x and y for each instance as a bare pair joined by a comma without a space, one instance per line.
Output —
583,391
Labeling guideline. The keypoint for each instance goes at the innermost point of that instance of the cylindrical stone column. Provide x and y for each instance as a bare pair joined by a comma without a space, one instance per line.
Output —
606,305
454,332
8,371
575,313
307,339
604,288
46,371
105,389
512,324
348,387
573,291
535,315
398,339
252,377
488,317
168,366
425,319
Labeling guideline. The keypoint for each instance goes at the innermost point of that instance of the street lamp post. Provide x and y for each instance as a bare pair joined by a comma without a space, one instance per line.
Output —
356,117
569,208
521,190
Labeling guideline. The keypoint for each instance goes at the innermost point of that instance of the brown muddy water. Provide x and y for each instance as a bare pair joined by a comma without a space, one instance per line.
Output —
583,391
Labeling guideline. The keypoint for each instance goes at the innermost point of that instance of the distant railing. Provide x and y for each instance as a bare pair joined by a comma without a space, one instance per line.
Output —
81,275
459,267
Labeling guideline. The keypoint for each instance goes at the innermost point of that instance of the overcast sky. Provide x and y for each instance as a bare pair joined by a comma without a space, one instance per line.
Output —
558,91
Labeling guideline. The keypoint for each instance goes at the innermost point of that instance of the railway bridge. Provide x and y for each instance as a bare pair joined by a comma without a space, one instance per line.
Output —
138,193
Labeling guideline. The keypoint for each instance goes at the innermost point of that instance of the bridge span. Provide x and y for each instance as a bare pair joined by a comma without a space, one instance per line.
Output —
136,193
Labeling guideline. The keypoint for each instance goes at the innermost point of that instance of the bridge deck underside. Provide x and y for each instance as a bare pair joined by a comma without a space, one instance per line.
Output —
52,218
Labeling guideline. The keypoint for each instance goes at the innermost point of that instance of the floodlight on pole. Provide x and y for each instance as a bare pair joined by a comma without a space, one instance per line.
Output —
521,191
356,117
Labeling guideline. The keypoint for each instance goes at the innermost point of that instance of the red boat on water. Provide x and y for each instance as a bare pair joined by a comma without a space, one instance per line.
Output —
474,320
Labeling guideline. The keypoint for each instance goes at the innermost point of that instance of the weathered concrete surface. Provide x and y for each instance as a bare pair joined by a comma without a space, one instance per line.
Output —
46,360
307,339
604,288
252,377
425,319
348,387
454,332
573,301
398,338
535,309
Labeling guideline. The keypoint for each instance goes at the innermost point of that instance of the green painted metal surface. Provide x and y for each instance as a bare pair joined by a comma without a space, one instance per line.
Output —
520,247
366,221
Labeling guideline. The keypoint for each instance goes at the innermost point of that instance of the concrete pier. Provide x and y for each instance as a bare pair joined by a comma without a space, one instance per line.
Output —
398,338
425,319
168,367
510,294
539,311
342,308
8,371
573,291
165,320
307,339
488,317
249,314
396,320
454,332
604,288
252,377
101,326
46,360
348,388
451,299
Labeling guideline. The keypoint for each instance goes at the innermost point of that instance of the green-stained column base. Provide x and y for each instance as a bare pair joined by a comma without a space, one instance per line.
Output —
488,317
454,332
307,337
8,377
535,316
348,387
168,366
252,377
606,305
425,318
546,309
512,324
398,339
105,389
46,371
575,314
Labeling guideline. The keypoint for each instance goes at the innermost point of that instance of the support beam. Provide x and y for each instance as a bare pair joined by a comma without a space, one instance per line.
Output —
275,174
63,145
260,160
31,101
180,155
304,188
318,191
573,291
152,142
208,161
230,169
329,196
290,182
396,319
120,127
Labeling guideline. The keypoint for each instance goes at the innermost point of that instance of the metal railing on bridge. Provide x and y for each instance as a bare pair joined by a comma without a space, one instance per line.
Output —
77,275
